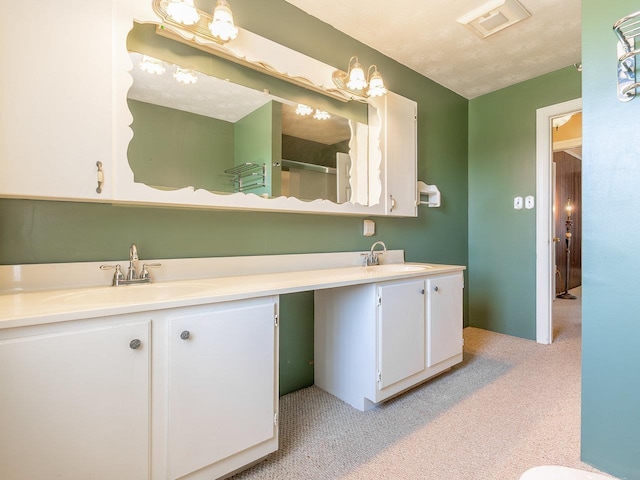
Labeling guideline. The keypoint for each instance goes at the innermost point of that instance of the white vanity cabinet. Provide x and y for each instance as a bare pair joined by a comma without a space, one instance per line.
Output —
222,387
76,398
74,401
374,341
56,109
397,119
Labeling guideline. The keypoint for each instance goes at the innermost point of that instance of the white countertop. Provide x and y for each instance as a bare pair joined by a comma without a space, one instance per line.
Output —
40,307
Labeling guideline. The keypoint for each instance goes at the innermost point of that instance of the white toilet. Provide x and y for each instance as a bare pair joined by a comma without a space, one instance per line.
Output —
554,472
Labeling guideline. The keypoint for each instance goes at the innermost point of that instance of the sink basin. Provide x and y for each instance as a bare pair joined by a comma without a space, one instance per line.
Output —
133,293
398,268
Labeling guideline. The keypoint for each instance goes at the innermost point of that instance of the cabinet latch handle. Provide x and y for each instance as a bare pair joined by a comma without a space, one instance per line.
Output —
100,177
393,203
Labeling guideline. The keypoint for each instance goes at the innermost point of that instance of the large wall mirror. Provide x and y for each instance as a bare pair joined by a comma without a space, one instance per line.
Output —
230,129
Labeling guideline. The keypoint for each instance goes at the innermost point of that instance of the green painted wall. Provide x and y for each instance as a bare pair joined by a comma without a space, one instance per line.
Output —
173,148
502,165
610,321
257,139
40,231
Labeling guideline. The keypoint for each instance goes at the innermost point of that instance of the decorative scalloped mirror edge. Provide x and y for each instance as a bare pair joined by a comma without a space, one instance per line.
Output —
251,50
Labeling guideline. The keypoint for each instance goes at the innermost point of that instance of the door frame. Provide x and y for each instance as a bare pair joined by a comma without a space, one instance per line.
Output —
544,216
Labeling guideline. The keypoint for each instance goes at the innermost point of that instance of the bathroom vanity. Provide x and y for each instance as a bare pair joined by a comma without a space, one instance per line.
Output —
179,378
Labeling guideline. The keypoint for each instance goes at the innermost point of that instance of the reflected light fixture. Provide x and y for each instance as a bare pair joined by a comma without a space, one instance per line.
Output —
321,115
355,81
303,110
185,75
222,25
152,65
183,11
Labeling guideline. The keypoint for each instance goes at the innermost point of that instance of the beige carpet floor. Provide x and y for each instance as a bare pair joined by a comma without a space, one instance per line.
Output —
511,405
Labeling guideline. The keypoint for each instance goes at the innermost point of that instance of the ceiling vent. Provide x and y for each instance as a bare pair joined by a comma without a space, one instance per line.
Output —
494,16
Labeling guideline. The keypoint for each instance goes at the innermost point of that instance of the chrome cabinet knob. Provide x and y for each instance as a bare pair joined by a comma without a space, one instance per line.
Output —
422,291
436,289
135,344
185,335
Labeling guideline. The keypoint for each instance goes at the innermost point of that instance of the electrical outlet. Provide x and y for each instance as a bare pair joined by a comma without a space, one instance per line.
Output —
517,203
529,202
369,228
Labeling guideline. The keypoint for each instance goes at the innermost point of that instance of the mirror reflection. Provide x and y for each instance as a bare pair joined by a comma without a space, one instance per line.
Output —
196,130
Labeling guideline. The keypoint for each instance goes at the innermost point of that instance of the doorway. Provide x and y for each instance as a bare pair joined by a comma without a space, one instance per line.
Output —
545,245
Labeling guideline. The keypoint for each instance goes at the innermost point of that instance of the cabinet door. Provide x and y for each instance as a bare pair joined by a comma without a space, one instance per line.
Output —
398,145
222,383
444,318
75,405
401,331
56,106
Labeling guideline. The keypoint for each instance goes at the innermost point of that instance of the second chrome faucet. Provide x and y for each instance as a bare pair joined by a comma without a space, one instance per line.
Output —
373,257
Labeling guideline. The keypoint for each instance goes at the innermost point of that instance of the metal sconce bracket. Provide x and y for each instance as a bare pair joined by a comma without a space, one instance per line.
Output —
627,29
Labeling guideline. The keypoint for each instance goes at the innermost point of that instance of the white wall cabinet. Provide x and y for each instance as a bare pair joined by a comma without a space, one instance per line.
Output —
57,105
74,403
68,80
375,341
397,117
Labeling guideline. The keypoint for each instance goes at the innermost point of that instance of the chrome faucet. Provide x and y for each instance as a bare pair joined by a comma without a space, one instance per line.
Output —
132,273
373,258
133,262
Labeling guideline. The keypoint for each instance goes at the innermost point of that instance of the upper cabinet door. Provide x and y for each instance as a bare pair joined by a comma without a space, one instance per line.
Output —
56,106
397,117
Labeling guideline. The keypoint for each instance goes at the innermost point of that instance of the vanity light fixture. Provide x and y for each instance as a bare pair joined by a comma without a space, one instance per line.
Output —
152,65
185,75
303,110
182,11
355,81
218,27
321,115
222,25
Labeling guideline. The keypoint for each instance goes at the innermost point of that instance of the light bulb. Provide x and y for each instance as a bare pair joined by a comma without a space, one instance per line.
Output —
304,110
357,79
183,11
152,65
222,25
185,75
376,85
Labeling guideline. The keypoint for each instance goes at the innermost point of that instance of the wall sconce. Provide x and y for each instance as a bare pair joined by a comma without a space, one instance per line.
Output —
218,27
354,80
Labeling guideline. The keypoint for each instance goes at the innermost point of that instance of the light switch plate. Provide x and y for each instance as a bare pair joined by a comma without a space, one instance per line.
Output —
369,228
529,202
517,203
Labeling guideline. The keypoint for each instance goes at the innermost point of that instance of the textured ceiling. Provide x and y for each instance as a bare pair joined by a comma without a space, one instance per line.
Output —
424,36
